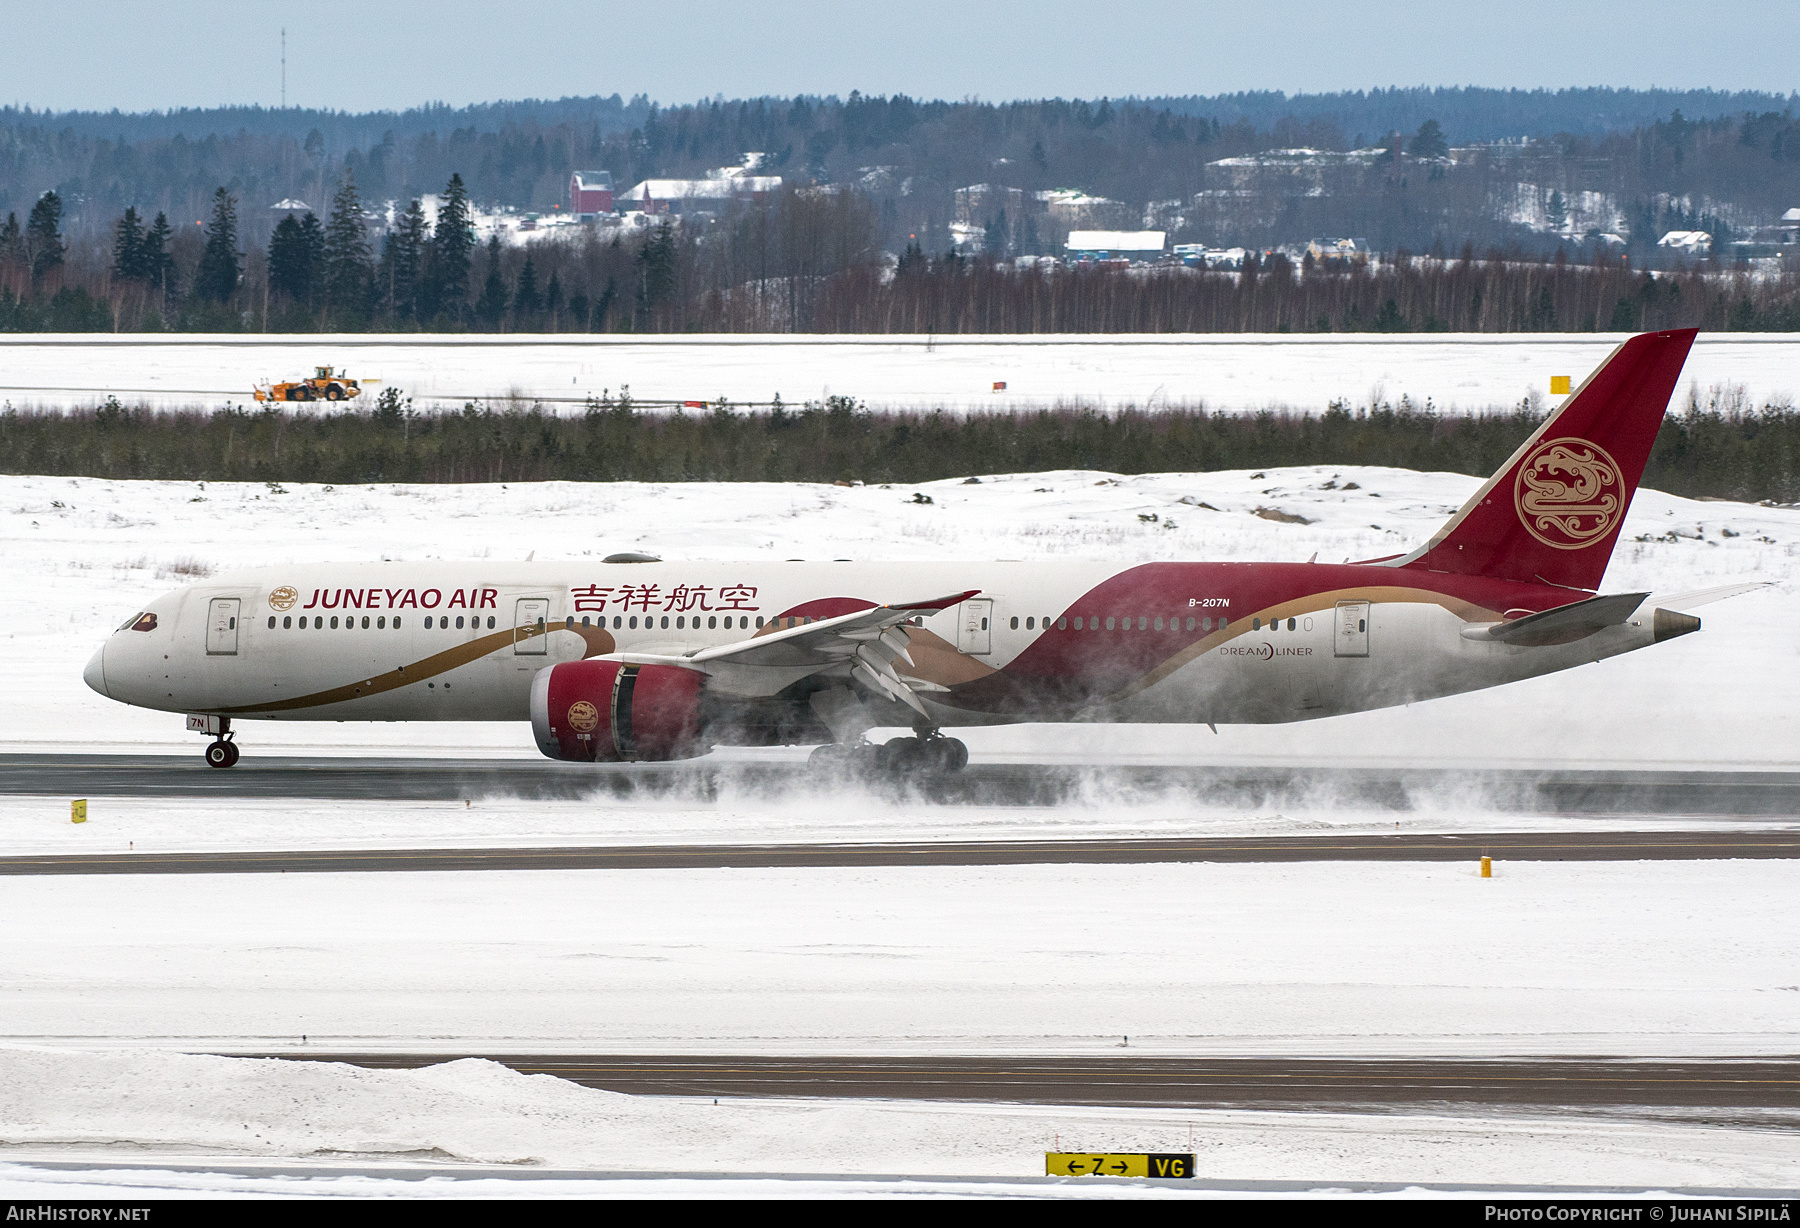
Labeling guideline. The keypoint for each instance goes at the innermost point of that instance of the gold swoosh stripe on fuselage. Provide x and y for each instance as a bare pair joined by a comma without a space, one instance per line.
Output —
1312,603
598,641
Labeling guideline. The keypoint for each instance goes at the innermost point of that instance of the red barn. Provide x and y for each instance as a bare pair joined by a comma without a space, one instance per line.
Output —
590,192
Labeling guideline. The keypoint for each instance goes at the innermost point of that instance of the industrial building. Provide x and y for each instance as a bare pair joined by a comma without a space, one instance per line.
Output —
1136,246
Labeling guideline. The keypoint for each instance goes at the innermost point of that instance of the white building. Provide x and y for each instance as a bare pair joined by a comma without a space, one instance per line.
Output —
1134,245
710,195
1687,242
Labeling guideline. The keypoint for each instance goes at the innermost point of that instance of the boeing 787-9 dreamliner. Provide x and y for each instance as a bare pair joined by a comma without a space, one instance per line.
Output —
638,659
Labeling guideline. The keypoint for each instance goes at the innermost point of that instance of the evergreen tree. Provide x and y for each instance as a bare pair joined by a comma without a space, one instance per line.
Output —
403,261
217,277
43,234
293,264
12,242
527,302
491,306
656,272
129,263
1557,212
159,262
313,231
994,236
553,298
347,254
1429,142
453,248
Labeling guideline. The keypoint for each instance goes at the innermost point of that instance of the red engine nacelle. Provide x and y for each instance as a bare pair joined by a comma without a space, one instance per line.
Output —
612,712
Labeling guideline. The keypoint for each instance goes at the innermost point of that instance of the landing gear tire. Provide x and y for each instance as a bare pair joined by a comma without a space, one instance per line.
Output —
946,756
901,756
831,757
896,759
222,754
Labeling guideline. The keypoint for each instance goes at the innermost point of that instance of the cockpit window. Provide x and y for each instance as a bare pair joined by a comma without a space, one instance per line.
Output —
145,622
126,625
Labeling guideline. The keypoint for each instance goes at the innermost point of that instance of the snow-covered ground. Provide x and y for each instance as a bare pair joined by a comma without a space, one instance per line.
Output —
239,1113
1656,958
1222,371
1653,958
82,554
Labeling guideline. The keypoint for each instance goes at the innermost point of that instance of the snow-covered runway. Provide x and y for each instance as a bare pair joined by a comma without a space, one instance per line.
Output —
1222,371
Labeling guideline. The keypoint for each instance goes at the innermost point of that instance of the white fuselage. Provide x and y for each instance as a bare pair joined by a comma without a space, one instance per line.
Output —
1165,642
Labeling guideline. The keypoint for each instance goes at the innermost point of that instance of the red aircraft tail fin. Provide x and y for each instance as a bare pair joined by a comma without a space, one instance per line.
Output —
1555,509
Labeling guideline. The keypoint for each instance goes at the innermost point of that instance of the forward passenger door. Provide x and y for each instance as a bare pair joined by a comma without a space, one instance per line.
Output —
530,614
222,627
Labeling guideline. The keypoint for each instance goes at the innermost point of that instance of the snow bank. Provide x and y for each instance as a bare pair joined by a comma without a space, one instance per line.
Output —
476,1111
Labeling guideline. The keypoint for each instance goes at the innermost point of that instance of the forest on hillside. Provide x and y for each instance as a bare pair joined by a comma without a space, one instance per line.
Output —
871,230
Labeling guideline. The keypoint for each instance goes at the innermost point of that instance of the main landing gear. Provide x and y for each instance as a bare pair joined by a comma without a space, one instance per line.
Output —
930,754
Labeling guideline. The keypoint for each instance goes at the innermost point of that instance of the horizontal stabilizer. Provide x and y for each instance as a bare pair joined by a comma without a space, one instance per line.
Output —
1563,625
1704,596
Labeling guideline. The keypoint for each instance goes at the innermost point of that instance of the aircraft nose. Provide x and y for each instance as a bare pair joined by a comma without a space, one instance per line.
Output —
95,673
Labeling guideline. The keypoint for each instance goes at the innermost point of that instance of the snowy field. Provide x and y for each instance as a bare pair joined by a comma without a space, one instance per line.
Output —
1222,371
1664,958
109,979
246,1114
82,554
1631,958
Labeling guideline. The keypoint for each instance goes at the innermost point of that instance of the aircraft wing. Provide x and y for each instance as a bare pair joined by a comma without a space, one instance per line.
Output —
862,645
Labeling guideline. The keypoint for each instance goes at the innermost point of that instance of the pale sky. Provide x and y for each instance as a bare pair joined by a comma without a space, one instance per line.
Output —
368,54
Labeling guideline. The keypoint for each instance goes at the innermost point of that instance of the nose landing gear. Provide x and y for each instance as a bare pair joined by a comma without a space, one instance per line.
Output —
223,752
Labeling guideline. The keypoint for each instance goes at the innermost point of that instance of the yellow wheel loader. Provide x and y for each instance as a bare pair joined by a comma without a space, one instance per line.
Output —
325,385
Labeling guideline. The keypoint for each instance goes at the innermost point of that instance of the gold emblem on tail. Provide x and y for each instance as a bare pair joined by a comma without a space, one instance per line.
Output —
1569,493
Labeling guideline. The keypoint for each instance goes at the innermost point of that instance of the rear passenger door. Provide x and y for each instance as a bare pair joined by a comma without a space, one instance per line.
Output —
1351,634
